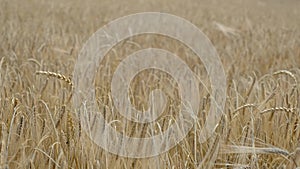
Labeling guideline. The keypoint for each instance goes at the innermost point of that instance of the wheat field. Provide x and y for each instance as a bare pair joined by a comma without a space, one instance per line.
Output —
258,43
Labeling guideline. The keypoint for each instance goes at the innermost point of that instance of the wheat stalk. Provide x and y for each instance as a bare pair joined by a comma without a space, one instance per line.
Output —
287,73
233,149
278,109
56,75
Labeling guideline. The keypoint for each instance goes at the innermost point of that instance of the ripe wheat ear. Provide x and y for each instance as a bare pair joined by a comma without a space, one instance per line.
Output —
56,75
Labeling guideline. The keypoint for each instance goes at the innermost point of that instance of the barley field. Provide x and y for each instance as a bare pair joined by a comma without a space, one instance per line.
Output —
258,43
